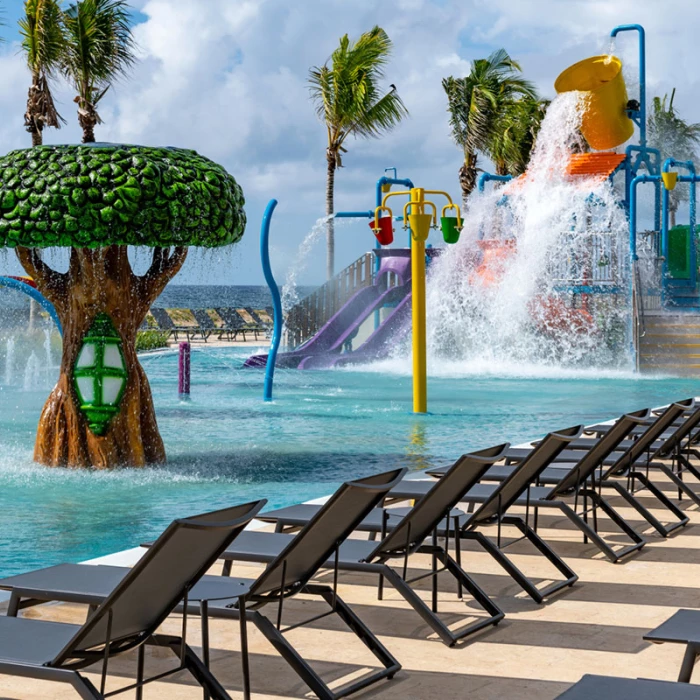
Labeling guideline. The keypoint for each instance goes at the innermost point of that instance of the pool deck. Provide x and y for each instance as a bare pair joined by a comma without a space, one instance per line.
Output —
534,654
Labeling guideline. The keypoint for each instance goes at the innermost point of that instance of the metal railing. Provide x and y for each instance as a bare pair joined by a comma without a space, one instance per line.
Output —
596,263
307,317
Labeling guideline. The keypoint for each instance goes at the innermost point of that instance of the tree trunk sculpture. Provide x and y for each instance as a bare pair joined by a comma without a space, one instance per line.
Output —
97,200
100,280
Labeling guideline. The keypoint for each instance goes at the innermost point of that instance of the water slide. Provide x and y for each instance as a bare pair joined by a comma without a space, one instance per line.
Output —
326,348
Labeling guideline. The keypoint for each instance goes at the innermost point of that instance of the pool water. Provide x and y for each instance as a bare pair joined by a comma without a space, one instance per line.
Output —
226,446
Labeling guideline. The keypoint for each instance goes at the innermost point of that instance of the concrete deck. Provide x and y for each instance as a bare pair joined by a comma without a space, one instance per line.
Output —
535,653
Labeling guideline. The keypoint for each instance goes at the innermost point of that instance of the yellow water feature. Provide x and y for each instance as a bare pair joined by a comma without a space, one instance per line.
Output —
604,123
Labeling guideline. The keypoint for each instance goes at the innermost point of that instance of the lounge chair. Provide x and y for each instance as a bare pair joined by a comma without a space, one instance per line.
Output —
622,471
609,688
207,327
234,324
681,628
287,574
259,326
165,323
494,502
128,615
407,536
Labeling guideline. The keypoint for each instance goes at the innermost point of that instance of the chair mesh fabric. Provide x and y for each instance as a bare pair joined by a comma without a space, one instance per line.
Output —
321,536
509,490
444,495
158,582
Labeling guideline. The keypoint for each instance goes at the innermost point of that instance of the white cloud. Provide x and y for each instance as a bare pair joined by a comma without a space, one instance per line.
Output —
228,78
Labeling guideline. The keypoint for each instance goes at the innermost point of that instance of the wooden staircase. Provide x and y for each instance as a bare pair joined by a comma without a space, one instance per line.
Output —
671,344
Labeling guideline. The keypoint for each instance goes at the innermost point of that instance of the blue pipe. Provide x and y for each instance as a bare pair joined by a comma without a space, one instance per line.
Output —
633,210
488,177
642,76
276,300
369,214
38,297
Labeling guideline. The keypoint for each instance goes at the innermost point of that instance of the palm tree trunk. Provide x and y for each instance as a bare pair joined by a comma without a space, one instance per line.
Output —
330,224
467,177
32,117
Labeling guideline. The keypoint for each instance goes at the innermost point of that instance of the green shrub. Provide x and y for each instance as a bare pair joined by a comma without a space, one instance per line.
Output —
151,340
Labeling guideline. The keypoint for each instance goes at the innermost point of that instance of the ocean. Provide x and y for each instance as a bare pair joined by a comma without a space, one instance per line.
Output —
188,296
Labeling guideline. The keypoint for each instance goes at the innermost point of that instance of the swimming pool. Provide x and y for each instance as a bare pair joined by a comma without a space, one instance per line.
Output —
225,445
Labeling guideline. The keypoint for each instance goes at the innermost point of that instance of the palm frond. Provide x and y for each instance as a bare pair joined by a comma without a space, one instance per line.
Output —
476,102
346,89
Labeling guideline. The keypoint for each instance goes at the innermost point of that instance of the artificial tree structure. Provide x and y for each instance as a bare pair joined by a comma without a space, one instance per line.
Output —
97,199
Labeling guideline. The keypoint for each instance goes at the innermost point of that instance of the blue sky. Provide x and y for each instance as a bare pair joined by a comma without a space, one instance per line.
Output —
228,78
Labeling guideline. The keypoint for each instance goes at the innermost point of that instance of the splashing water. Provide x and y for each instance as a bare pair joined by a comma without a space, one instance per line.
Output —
290,294
9,360
507,292
32,374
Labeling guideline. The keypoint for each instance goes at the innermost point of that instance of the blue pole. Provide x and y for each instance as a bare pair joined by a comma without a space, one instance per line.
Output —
276,299
642,77
488,177
38,297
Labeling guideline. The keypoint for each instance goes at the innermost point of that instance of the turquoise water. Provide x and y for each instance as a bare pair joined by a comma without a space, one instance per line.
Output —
226,446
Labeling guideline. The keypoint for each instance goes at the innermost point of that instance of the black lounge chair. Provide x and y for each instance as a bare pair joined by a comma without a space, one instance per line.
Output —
681,628
609,688
234,323
494,502
127,616
165,323
563,481
259,326
622,471
207,327
406,536
287,574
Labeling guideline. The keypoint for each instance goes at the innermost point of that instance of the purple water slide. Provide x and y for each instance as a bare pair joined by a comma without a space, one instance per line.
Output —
380,344
343,326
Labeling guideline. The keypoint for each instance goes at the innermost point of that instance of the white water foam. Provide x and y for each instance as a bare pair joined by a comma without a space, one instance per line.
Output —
566,233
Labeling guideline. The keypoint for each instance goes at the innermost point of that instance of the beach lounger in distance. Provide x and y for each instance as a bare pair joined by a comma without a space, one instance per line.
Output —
129,615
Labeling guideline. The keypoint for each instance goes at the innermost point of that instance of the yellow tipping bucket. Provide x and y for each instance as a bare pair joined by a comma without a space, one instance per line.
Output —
605,123
420,225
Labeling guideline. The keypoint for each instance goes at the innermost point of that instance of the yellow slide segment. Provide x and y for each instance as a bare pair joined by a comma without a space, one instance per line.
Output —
605,123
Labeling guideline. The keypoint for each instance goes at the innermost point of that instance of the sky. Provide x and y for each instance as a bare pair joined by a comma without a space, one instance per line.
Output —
228,78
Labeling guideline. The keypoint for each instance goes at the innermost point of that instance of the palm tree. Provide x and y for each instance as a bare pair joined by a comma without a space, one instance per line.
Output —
476,101
99,50
675,138
514,134
43,42
349,101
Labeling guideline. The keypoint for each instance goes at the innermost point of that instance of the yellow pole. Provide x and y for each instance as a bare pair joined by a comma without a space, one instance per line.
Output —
420,367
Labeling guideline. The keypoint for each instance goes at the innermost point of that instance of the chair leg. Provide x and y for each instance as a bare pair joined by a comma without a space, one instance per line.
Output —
433,621
193,664
692,651
677,479
663,530
245,659
304,670
140,663
204,617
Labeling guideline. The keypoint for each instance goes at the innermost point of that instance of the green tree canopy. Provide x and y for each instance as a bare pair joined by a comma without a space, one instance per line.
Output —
477,101
89,196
